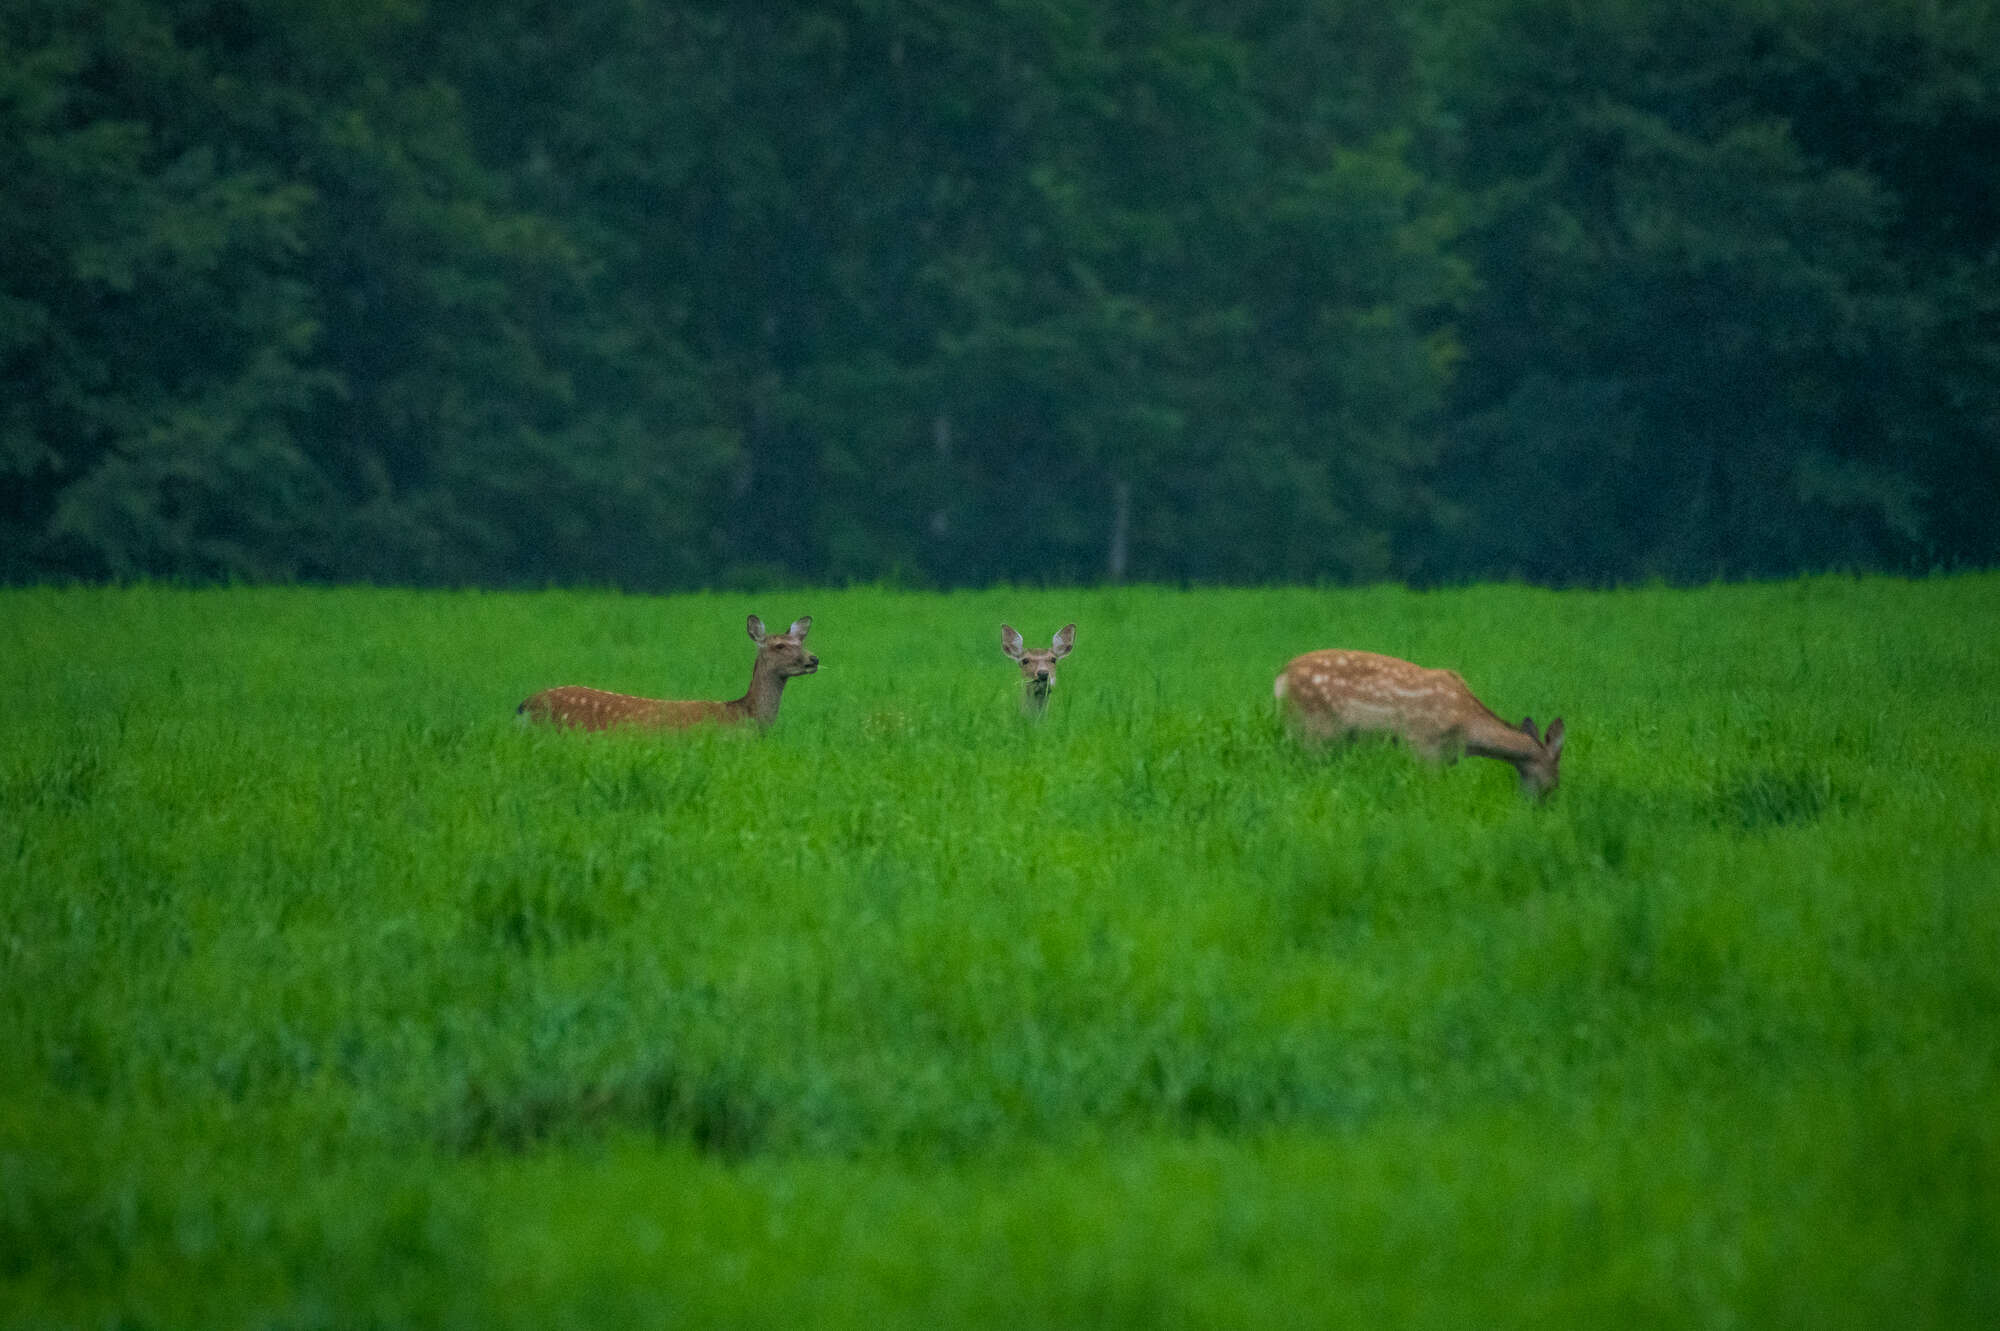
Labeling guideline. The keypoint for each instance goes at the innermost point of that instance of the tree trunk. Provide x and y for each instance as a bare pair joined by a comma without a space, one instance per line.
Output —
1121,529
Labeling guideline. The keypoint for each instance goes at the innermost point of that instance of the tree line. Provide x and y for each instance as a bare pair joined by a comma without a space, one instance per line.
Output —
659,294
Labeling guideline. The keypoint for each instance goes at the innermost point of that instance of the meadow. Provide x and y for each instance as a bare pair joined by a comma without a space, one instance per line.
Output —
330,996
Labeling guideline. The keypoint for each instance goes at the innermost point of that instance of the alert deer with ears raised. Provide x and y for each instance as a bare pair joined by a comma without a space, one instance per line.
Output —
1038,669
780,656
1333,694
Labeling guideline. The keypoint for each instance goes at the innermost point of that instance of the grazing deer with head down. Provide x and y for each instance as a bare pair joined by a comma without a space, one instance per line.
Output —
1038,669
1334,694
780,656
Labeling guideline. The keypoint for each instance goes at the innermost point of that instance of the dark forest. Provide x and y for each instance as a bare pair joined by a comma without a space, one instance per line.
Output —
954,292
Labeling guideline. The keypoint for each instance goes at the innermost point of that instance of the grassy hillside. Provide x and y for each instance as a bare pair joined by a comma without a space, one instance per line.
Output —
330,995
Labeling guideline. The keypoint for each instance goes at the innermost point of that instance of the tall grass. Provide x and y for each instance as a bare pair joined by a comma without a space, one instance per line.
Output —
331,995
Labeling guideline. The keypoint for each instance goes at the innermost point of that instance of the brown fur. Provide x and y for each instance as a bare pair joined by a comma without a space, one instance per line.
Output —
780,656
1038,668
1332,694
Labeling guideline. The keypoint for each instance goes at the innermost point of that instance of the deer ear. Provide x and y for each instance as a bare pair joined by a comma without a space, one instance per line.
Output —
1010,642
801,626
1554,741
1527,727
1065,640
756,627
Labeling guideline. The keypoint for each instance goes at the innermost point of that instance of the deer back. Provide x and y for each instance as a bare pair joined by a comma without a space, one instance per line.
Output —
580,708
1339,690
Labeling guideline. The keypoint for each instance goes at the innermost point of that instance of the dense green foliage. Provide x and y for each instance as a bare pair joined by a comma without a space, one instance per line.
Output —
703,294
675,294
331,996
1740,265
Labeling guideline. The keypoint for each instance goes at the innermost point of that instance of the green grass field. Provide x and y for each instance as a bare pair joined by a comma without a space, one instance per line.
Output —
331,996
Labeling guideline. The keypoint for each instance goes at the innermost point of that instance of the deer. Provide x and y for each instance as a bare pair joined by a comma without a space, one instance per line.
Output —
780,656
1336,694
1038,669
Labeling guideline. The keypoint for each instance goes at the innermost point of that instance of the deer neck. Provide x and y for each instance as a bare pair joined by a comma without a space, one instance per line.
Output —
767,690
1491,737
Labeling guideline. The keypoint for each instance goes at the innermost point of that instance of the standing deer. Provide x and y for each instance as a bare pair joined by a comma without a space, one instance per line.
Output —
780,656
1336,693
1038,669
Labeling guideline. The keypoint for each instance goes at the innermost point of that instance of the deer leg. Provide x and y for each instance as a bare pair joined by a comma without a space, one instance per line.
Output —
1318,728
1443,749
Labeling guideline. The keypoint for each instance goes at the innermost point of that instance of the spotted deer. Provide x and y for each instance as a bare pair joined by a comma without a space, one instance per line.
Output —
1334,694
780,656
1038,669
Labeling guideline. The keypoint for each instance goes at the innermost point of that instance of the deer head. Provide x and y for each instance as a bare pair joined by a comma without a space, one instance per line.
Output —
1538,769
783,654
1038,668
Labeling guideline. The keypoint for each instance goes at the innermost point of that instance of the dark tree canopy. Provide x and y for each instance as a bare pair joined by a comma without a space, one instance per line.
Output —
672,294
